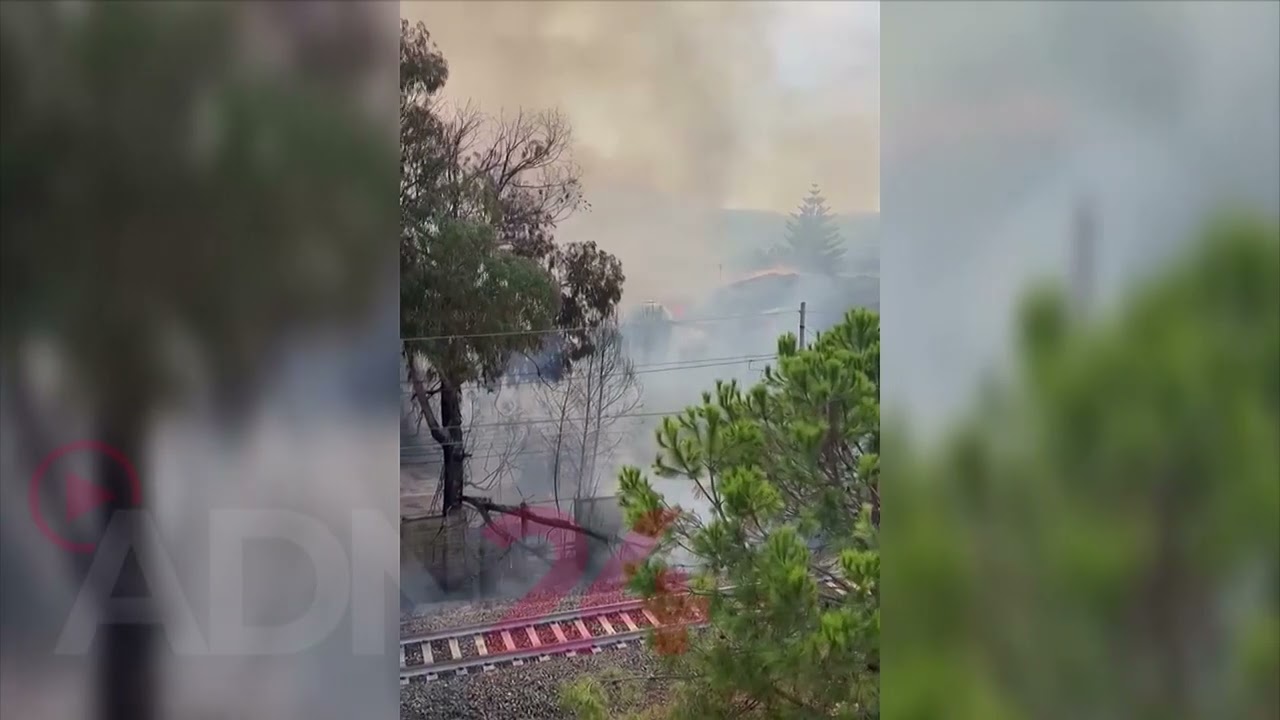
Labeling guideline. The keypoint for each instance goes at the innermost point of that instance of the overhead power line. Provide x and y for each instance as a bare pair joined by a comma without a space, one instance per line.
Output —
585,328
407,389
725,363
592,418
693,363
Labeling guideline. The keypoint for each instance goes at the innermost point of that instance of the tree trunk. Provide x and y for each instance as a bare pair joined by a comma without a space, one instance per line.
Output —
447,432
586,432
125,674
127,663
453,449
555,469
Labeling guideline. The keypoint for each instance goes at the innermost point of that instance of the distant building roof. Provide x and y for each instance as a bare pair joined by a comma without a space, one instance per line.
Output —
779,271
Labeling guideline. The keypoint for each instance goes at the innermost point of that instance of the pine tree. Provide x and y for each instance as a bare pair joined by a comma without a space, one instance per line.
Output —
786,547
813,243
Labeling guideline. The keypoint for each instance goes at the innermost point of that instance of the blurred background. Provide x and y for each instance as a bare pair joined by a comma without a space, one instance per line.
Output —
1080,293
198,269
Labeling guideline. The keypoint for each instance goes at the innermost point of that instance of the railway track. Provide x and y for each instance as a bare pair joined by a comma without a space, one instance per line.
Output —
492,646
508,643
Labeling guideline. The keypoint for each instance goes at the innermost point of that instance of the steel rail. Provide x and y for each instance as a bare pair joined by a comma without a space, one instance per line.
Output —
509,655
513,623
521,654
544,651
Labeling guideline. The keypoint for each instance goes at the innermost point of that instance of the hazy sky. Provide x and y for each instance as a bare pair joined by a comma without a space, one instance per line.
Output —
722,104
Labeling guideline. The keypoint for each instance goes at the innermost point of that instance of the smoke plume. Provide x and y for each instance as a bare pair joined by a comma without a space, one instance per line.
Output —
680,110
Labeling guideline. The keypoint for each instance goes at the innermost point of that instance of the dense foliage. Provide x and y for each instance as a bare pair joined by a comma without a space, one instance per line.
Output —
784,535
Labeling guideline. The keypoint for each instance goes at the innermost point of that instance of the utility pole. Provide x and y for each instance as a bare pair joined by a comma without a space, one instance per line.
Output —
802,325
1083,261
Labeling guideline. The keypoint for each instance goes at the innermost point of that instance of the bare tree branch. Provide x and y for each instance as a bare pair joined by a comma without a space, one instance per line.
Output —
600,390
498,456
512,171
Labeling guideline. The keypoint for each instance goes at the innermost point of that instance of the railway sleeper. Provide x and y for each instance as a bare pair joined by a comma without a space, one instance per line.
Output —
517,662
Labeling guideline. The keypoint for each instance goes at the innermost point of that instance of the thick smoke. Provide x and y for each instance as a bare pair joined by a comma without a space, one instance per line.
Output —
680,110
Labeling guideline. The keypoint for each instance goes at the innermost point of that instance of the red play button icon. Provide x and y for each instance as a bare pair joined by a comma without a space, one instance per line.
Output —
80,496
84,497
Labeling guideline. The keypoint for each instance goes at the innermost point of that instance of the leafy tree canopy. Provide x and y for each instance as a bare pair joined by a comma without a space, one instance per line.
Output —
475,302
513,173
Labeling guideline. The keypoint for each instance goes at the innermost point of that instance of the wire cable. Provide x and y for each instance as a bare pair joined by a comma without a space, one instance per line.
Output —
407,389
747,359
586,328
693,363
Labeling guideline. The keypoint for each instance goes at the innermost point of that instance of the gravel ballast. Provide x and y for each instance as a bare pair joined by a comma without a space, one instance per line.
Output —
529,692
